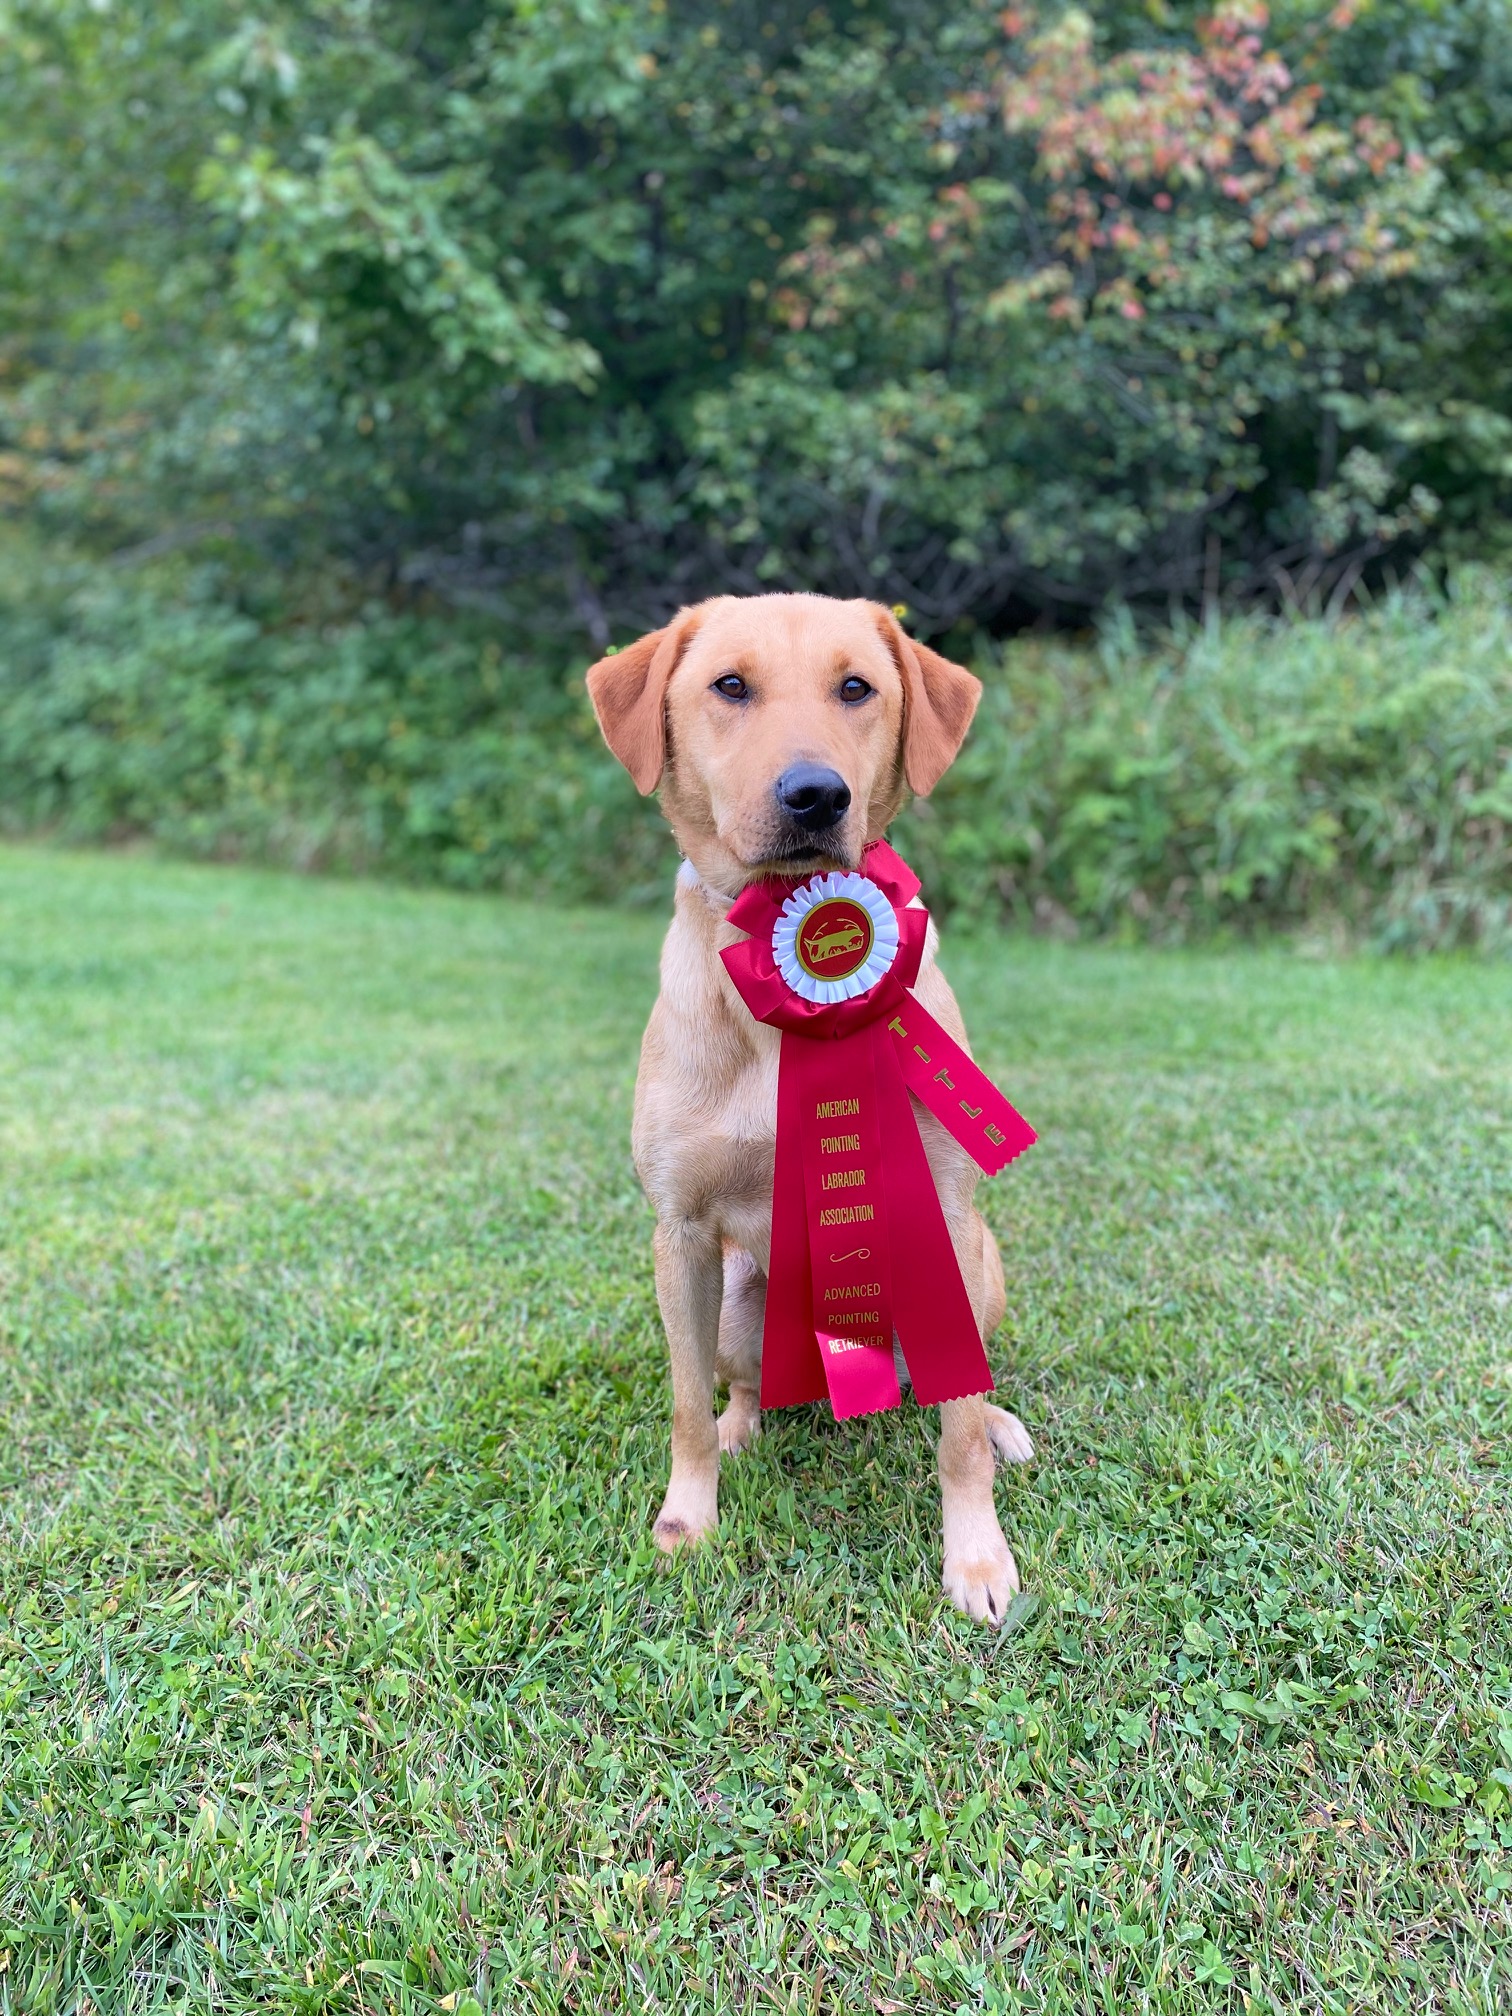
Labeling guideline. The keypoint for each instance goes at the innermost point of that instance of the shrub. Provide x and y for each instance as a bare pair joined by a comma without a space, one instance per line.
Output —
391,744
1257,772
1253,774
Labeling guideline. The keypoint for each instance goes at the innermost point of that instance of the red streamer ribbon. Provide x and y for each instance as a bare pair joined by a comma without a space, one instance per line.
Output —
860,1248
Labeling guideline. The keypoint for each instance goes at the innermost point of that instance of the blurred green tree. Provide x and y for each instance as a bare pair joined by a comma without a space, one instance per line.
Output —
584,307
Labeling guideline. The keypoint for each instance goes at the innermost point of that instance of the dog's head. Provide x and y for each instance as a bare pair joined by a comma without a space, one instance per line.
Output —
782,729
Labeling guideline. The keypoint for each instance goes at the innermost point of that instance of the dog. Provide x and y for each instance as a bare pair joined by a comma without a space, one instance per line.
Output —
784,732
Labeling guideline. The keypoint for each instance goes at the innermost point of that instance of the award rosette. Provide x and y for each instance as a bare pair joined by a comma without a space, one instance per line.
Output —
860,1249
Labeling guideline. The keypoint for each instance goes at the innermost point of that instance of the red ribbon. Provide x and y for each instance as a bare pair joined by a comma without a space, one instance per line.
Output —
860,1248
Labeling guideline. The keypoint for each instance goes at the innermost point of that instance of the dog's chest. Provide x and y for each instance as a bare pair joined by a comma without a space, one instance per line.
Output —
728,1151
749,1114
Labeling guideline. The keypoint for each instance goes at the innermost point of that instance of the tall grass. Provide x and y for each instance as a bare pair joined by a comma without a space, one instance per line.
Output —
1353,773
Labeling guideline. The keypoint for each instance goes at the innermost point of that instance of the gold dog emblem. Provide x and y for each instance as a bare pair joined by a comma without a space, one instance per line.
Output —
835,940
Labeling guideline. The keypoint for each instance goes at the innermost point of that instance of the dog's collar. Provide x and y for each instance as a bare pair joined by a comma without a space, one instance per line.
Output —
689,878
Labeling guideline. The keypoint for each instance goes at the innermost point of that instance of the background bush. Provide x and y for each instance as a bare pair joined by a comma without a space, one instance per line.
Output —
1254,773
382,742
1260,771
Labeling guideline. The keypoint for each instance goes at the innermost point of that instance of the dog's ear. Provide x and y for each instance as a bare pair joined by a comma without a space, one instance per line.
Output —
629,694
939,700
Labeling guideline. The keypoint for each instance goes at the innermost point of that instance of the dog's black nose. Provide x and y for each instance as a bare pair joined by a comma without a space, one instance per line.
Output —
812,796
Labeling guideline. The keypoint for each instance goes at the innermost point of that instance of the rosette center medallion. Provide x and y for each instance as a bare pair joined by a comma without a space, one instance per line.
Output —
836,936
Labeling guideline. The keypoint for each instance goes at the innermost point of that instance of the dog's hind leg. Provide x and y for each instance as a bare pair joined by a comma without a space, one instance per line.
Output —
994,1287
738,1361
1007,1434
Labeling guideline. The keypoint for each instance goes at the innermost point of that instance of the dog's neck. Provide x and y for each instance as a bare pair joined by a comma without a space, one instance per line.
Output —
689,878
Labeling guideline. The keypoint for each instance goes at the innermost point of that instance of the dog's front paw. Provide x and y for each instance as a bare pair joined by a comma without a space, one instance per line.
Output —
981,1577
689,1514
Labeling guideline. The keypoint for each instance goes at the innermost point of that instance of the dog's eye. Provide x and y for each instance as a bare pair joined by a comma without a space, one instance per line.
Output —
732,686
853,689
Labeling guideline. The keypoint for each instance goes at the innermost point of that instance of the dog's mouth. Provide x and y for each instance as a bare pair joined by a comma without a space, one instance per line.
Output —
798,849
805,857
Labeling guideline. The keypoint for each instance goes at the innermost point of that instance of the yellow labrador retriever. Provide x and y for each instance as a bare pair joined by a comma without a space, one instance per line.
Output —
783,731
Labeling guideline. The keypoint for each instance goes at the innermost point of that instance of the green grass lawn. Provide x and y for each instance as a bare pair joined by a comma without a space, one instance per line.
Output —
337,1669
